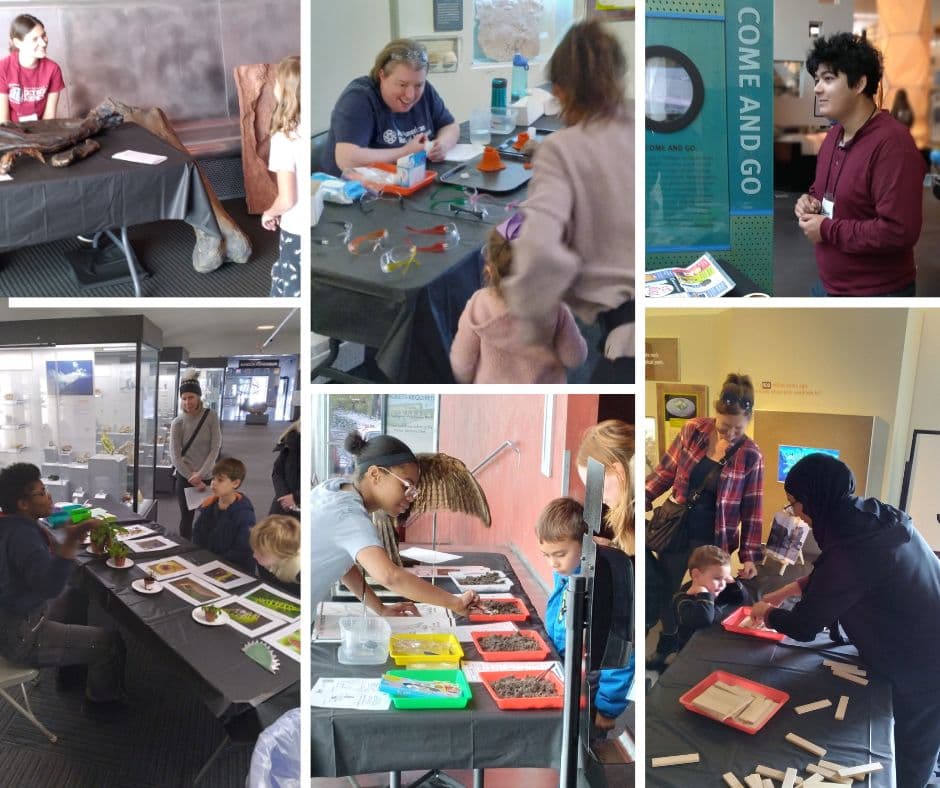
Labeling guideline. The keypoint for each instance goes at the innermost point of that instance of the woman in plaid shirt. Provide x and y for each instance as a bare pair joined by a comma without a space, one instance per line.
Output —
733,498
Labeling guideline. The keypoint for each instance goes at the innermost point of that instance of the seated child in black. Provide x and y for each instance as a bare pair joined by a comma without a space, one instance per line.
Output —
710,595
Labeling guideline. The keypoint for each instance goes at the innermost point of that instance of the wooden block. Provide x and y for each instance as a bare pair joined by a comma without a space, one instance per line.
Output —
768,783
731,781
815,706
675,760
790,778
850,677
812,749
756,711
754,781
828,773
860,770
813,781
845,667
841,708
766,771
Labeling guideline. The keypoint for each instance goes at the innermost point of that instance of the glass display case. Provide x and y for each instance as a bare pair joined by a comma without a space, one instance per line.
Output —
173,361
211,380
78,398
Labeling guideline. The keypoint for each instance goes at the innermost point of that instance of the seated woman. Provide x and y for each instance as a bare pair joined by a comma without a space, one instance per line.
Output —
390,113
30,82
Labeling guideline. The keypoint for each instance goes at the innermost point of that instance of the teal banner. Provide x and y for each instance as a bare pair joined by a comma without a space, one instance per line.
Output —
687,185
749,48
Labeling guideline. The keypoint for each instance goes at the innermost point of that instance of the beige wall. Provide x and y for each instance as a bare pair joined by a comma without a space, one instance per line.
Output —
852,361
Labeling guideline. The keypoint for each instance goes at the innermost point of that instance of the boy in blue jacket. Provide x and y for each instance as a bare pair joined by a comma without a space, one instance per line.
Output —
226,518
559,529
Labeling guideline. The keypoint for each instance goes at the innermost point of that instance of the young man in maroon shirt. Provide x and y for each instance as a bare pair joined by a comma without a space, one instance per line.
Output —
864,210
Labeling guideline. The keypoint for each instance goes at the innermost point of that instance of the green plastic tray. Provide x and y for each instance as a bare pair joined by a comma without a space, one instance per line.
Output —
455,676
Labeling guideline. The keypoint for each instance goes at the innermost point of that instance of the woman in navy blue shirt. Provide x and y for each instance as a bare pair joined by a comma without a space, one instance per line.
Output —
390,113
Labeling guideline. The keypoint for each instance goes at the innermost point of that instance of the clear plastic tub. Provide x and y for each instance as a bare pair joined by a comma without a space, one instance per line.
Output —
364,640
502,120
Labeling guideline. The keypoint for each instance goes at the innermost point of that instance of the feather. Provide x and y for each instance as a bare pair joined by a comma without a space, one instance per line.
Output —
446,484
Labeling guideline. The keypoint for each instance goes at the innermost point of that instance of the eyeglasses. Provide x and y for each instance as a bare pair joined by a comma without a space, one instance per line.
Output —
344,235
368,243
409,56
370,198
411,492
39,493
450,233
399,258
740,402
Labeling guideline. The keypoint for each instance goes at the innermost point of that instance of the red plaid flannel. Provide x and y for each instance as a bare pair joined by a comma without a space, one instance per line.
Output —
740,486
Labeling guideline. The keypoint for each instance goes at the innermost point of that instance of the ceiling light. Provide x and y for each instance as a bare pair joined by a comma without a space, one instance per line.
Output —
265,328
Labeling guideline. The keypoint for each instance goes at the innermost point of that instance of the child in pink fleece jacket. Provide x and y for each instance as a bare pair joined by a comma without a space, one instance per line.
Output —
491,345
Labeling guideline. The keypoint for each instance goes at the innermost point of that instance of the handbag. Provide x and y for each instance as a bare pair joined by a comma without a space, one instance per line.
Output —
669,518
189,442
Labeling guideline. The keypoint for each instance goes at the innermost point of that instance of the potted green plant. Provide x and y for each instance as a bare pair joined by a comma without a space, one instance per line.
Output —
102,535
118,552
211,612
149,580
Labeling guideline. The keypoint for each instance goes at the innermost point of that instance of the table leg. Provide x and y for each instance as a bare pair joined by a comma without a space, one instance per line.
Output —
477,778
325,369
394,780
125,246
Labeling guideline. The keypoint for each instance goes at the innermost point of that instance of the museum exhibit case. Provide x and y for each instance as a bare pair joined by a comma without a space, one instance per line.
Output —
172,360
211,379
78,398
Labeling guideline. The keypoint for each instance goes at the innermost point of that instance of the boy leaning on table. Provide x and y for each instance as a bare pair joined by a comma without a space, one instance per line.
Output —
710,595
560,529
36,607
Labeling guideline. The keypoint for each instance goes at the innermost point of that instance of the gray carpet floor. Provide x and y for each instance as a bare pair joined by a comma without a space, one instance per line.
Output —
162,741
165,248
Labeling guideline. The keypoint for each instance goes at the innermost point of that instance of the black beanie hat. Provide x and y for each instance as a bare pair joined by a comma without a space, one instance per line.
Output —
190,386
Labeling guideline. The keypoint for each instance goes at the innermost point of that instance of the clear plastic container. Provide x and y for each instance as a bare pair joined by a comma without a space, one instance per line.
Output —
502,120
364,640
520,78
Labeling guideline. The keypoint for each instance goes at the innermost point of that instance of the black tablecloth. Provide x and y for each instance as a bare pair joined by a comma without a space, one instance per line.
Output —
796,668
43,203
227,681
410,318
347,741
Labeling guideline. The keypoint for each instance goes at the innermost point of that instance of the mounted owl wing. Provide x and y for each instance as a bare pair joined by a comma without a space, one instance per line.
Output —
447,485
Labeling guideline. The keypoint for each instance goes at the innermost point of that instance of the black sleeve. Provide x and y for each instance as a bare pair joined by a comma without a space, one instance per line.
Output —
278,477
833,587
695,611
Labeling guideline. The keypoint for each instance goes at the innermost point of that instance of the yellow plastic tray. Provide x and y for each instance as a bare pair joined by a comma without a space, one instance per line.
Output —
446,648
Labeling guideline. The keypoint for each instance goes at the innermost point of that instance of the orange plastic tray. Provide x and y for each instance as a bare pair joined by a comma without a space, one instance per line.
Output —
522,615
775,695
512,656
508,704
732,624
404,191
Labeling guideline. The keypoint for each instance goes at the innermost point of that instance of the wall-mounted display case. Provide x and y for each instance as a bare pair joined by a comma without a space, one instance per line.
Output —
78,398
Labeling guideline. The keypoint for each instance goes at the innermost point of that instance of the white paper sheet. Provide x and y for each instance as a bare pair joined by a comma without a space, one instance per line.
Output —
6,177
340,693
139,157
428,556
463,151
433,619
443,571
472,669
194,497
463,633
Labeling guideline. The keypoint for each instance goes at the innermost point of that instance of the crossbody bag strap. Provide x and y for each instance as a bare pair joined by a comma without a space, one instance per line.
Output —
192,437
693,498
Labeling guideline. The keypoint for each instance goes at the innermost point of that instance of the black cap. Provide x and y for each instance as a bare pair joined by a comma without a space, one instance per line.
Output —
190,387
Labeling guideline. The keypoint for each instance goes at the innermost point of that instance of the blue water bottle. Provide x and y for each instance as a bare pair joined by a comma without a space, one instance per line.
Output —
498,93
935,171
520,77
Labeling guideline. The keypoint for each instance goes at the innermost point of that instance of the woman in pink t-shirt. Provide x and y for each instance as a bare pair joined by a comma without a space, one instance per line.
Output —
30,82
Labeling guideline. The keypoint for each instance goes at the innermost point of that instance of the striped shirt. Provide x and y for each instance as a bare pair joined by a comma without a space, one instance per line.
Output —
740,486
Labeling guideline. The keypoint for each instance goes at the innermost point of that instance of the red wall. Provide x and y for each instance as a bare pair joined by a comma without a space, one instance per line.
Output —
471,426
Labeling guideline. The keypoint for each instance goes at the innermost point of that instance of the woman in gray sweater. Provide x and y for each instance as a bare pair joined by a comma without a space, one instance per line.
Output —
195,441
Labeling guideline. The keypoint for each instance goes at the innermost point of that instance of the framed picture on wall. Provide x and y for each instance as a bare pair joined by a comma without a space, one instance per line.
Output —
611,11
676,403
443,53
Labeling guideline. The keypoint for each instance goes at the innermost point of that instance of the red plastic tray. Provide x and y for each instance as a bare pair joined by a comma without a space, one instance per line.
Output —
507,704
522,615
512,656
404,191
731,623
776,695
